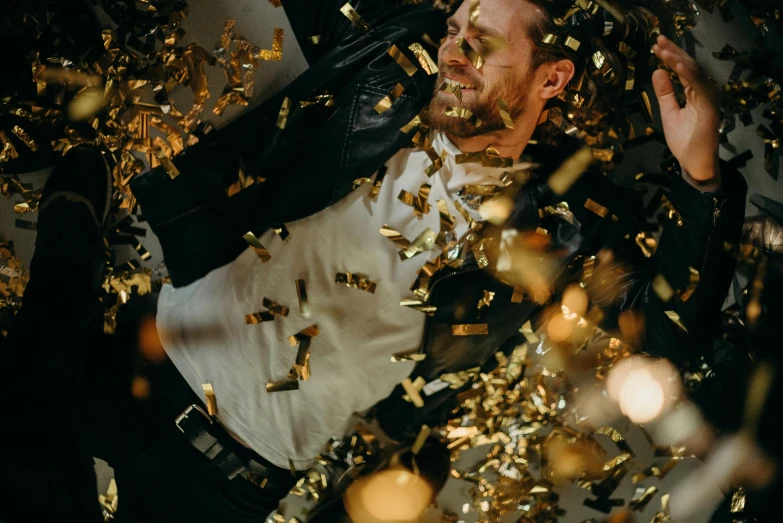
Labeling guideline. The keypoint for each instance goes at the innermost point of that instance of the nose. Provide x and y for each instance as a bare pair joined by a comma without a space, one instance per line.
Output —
452,55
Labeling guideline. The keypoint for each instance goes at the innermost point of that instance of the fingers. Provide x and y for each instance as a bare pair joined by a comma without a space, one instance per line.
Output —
664,90
689,72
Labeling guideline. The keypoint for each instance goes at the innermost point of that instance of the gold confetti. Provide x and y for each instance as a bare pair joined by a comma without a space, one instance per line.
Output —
387,101
419,203
662,288
597,208
275,307
209,394
503,110
425,60
419,306
572,42
412,393
261,251
305,334
259,317
276,53
641,497
351,14
425,241
282,116
357,281
315,39
671,212
414,124
675,318
402,60
301,293
25,138
474,329
570,171
518,294
738,501
412,355
473,57
282,385
486,301
454,89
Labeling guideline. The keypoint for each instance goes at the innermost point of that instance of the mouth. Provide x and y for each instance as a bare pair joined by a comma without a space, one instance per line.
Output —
461,85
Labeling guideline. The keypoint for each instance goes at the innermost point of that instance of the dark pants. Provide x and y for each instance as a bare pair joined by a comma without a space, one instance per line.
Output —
65,393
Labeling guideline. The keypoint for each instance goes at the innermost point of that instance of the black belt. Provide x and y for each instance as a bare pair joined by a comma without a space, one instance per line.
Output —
227,454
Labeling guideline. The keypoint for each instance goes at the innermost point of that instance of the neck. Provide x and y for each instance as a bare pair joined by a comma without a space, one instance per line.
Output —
510,143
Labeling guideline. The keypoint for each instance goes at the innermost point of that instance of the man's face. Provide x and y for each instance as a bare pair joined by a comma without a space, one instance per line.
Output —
506,74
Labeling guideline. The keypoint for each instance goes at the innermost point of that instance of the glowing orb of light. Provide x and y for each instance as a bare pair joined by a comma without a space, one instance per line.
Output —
394,495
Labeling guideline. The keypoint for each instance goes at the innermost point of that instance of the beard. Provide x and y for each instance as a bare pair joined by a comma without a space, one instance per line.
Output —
481,101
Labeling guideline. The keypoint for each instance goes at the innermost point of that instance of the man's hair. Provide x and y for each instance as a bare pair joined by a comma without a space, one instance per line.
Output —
608,49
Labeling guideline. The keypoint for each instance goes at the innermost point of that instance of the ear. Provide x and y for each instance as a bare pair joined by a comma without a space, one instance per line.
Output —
556,76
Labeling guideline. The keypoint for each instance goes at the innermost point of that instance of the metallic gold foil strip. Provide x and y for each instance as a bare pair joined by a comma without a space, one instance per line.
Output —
414,124
675,318
282,116
301,293
549,38
275,307
411,355
419,305
470,329
446,219
261,251
25,138
473,13
259,317
572,42
738,501
315,39
425,60
472,224
301,367
387,101
437,162
630,77
597,208
376,187
282,385
486,301
479,253
504,114
419,203
425,241
209,395
355,280
518,294
454,89
402,60
671,212
424,433
282,231
412,393
310,332
662,288
9,151
351,14
693,282
361,181
570,171
473,57
276,53
395,237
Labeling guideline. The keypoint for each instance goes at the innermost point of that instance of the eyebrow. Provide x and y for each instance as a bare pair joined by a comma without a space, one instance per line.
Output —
478,29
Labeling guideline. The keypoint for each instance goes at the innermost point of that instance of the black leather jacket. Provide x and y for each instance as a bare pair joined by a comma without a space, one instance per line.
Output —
312,162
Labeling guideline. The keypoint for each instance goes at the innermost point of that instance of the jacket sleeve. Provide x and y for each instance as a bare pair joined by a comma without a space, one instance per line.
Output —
701,239
324,20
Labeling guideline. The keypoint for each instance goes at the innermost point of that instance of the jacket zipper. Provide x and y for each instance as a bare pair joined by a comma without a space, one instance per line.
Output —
715,219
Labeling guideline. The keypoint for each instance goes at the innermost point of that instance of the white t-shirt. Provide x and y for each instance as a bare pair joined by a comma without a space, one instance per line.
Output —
203,328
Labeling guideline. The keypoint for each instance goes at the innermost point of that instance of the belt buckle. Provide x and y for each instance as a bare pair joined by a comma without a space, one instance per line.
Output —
185,413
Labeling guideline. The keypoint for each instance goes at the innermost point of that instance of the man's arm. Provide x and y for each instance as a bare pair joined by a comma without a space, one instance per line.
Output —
320,25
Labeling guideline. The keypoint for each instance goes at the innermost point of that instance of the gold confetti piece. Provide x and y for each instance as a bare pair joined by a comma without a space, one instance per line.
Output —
301,367
282,116
357,281
549,38
276,53
424,433
597,208
486,301
411,355
275,307
259,317
315,39
570,171
412,393
25,138
414,124
310,332
395,236
662,288
454,89
425,241
473,57
9,151
167,164
209,394
675,318
671,212
693,282
503,110
360,181
402,60
446,219
376,187
282,385
630,76
737,500
419,306
282,231
85,104
261,251
472,329
641,497
479,253
646,243
518,294
301,293
599,59
472,224
387,101
351,14
572,42
425,60
110,500
419,203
